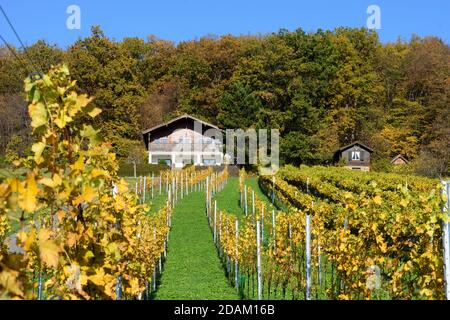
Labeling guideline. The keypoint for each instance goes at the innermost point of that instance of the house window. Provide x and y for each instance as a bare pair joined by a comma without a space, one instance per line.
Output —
356,155
164,140
209,161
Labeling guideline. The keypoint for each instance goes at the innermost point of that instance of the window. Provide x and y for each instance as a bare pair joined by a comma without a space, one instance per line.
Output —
356,155
209,161
164,140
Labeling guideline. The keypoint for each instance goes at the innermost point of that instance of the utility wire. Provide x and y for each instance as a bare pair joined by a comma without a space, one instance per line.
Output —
21,43
14,53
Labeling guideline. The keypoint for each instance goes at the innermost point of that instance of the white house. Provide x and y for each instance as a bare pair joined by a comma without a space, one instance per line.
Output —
184,140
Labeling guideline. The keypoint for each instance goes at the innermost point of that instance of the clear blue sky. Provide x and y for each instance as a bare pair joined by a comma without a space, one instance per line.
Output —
180,20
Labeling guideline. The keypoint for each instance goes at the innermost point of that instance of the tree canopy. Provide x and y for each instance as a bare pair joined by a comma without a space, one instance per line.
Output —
322,89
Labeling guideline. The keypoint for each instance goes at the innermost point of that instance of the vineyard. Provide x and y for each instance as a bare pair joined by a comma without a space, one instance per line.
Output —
72,228
329,233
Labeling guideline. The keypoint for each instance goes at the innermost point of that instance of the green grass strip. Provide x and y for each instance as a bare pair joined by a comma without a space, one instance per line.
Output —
192,269
228,198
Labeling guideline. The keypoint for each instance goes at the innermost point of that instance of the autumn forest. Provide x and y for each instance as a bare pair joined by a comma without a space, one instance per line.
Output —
322,90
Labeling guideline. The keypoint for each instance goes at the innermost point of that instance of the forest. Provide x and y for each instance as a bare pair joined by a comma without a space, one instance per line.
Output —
321,89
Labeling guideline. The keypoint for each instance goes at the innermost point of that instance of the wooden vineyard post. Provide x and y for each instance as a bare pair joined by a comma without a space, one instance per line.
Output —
153,184
319,263
273,189
208,192
39,293
307,185
236,263
160,183
141,186
215,223
211,193
262,223
274,230
143,192
154,269
253,203
220,225
308,257
240,198
177,181
167,183
119,288
173,191
446,236
240,191
136,186
245,200
118,278
174,199
181,186
169,198
206,200
258,258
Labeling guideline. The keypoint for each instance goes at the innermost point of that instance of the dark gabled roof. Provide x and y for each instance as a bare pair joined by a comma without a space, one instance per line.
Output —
184,116
356,143
399,156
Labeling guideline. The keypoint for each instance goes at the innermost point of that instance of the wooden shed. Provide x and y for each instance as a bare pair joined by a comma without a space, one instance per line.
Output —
355,155
399,160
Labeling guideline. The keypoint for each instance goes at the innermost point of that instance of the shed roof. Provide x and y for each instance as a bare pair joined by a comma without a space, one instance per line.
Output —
356,143
399,156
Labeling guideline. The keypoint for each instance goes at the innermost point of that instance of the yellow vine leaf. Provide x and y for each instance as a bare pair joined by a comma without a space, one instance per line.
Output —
38,148
38,114
51,182
27,239
79,164
122,186
88,195
98,278
377,199
28,195
71,239
9,283
94,112
48,249
404,203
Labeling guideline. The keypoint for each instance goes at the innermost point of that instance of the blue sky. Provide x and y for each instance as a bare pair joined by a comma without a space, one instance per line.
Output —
180,20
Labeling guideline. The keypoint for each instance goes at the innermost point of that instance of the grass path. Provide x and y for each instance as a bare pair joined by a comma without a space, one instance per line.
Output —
192,269
228,198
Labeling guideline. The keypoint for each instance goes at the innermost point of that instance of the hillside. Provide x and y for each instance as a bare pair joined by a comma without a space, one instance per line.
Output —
322,90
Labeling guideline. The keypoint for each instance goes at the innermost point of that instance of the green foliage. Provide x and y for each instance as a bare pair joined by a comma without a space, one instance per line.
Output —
321,89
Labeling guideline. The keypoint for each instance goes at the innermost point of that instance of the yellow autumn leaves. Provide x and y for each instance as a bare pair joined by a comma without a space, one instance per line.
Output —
71,228
370,223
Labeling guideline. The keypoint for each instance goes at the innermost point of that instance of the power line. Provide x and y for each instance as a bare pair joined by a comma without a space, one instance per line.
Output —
14,54
20,41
